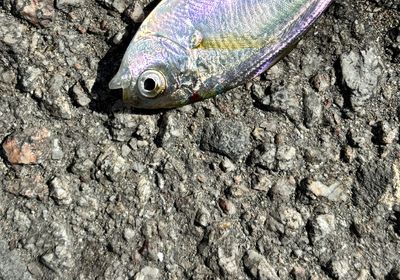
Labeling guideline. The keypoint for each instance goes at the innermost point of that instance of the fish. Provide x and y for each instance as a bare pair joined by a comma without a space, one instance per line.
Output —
186,51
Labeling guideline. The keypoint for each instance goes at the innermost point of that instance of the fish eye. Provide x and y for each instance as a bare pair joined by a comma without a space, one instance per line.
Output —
151,83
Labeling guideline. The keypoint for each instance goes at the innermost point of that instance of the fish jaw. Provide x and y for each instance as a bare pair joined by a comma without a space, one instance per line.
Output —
178,98
120,80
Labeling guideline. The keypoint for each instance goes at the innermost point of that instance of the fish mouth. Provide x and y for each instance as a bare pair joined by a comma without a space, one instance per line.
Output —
178,98
120,80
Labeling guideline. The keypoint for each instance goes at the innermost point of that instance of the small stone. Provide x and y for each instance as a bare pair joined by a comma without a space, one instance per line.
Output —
374,179
339,268
228,261
27,147
148,273
348,154
262,183
312,108
258,91
285,156
118,38
321,82
111,164
60,190
119,5
136,13
264,156
35,270
385,133
299,273
80,96
364,275
238,191
226,137
22,221
227,206
227,165
129,234
202,217
38,13
171,133
19,154
55,98
143,190
361,72
292,220
125,150
334,192
258,266
284,188
57,152
322,226
66,5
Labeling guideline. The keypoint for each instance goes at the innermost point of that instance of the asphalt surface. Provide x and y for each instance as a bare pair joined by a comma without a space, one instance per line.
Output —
295,175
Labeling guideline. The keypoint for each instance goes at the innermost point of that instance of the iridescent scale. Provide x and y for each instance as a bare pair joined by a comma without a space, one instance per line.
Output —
225,42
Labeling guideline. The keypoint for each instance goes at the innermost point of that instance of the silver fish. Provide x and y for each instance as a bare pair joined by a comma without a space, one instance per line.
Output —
189,50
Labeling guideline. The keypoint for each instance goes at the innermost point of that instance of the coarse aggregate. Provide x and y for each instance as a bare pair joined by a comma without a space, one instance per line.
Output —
295,175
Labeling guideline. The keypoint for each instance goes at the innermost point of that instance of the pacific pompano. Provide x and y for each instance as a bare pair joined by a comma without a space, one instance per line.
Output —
189,50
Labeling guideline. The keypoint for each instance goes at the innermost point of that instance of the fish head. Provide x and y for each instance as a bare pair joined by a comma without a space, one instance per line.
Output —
152,74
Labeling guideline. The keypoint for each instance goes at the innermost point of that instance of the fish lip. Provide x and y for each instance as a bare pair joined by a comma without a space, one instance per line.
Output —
120,80
115,83
178,98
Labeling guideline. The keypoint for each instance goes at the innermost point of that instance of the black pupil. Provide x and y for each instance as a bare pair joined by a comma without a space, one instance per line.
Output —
149,84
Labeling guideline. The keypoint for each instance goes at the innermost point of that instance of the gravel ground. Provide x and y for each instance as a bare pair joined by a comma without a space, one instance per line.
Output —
293,176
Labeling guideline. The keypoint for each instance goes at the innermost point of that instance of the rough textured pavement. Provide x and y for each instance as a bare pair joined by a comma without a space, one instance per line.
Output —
295,175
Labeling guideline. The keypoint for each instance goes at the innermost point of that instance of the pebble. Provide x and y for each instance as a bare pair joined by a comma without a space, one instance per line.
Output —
333,192
227,206
299,273
111,164
202,217
264,156
57,152
67,5
143,190
362,71
322,226
128,234
37,13
148,273
258,266
375,178
386,133
285,157
227,165
60,190
171,134
55,98
228,261
29,146
136,13
80,96
292,221
283,188
312,108
321,82
339,268
262,183
226,137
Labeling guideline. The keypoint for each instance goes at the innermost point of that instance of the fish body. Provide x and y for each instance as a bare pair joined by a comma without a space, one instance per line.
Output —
189,50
